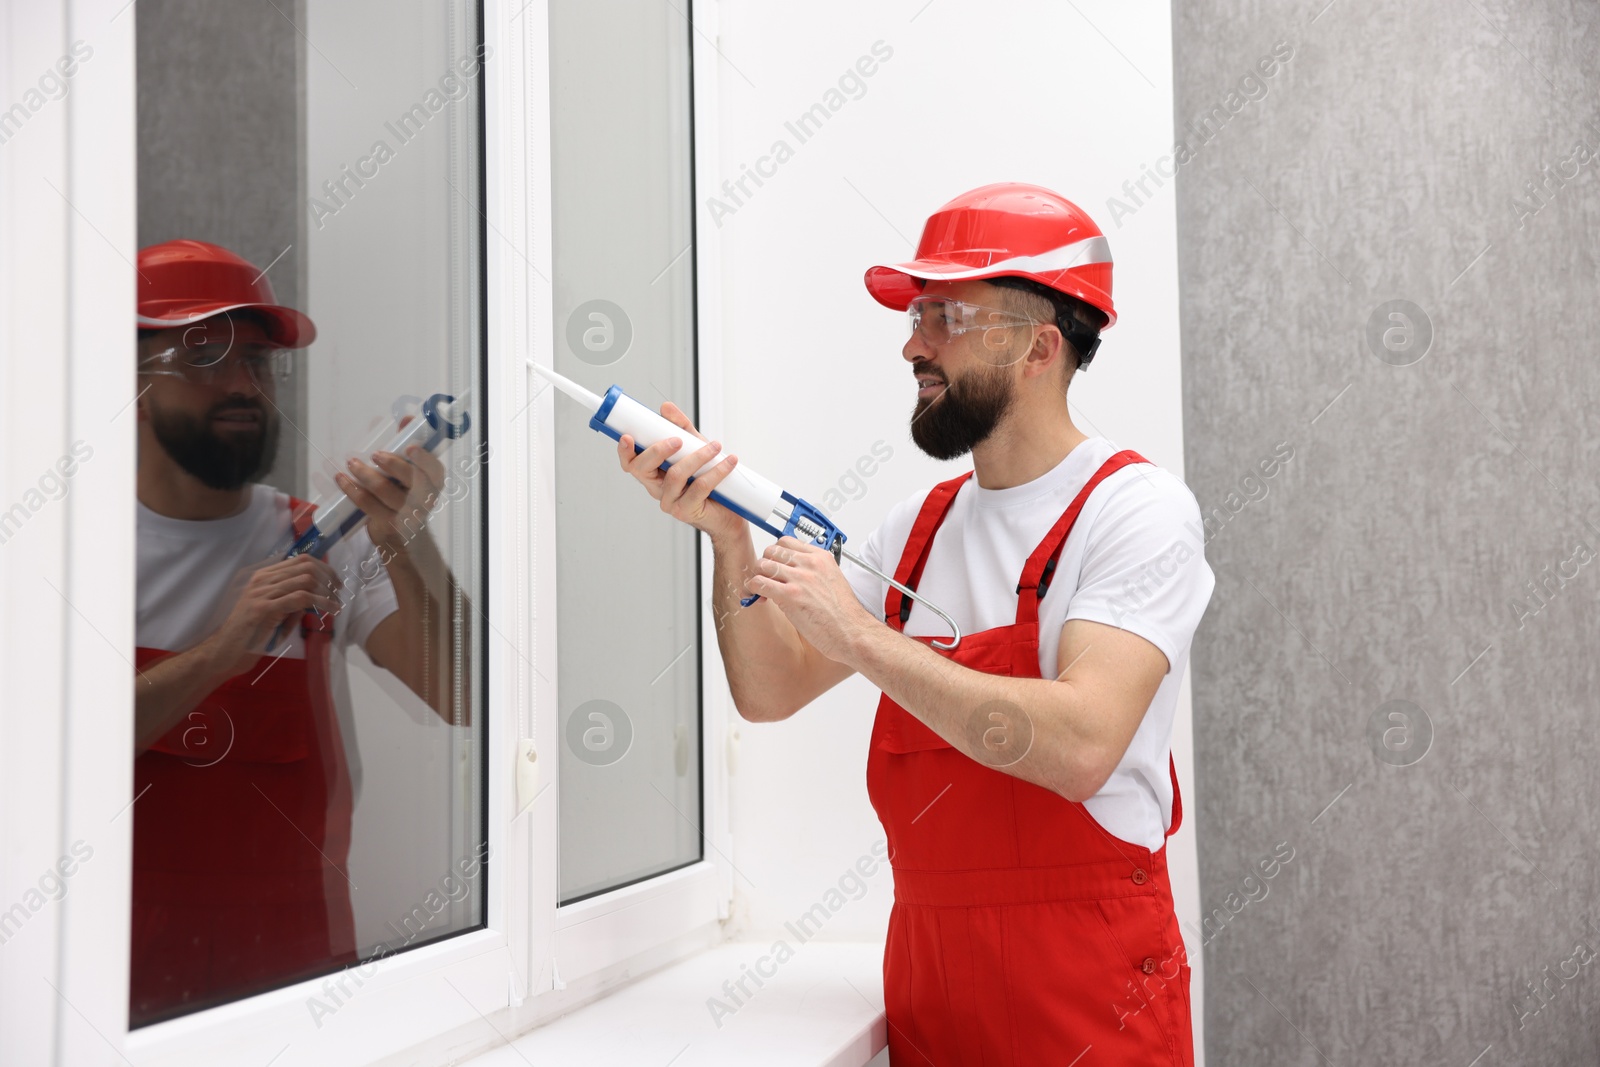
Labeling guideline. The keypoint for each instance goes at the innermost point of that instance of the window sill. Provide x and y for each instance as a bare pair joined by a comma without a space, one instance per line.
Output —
823,1008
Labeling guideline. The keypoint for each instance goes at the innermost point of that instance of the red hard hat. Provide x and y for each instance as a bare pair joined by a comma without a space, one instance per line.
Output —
1005,229
183,281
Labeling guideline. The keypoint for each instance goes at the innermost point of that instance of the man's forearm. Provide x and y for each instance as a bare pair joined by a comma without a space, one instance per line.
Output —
1027,727
761,651
170,688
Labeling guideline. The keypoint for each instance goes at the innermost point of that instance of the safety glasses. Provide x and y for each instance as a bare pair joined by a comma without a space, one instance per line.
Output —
208,364
938,320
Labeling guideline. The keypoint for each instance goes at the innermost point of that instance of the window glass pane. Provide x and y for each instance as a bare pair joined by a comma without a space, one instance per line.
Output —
309,787
629,654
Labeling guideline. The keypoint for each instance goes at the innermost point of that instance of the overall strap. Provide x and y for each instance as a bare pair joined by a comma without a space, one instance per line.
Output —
301,515
331,757
1177,798
897,607
1041,565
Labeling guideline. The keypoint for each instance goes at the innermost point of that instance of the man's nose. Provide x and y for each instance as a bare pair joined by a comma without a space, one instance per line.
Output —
237,378
916,350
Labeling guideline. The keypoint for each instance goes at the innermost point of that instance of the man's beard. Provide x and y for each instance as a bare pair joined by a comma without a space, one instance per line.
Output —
219,461
950,424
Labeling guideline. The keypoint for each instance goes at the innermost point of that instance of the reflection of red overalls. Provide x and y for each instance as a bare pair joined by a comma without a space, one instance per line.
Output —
241,835
1022,932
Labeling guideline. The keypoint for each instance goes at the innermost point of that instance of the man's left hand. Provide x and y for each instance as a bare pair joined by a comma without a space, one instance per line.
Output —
806,584
395,513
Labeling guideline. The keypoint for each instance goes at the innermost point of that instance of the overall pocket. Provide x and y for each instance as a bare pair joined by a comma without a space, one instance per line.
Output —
1155,982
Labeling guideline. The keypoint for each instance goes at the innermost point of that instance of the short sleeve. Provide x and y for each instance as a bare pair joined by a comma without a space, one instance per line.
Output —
1144,567
368,594
869,588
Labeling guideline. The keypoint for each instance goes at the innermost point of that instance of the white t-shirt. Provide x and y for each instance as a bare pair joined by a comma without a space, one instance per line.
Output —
1135,560
192,571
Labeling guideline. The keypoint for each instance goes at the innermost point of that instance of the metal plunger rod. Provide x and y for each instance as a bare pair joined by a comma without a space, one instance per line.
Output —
912,593
810,529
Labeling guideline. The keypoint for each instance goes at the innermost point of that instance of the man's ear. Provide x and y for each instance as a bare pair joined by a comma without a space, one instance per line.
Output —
1049,343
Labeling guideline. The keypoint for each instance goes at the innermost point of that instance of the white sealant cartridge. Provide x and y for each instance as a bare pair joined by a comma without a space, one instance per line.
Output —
743,491
746,492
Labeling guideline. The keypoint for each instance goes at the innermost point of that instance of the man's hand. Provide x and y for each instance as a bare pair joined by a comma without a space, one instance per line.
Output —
276,594
395,513
806,584
684,502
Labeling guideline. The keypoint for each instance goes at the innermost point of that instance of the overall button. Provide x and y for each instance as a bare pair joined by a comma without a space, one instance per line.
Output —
1139,877
1149,965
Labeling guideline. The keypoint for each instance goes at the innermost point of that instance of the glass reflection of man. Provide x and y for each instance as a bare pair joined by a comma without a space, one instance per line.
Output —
242,776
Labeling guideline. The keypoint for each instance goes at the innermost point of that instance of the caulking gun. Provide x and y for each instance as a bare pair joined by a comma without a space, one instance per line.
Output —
743,491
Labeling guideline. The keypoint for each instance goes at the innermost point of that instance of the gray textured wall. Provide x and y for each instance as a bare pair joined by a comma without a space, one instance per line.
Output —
1441,903
222,150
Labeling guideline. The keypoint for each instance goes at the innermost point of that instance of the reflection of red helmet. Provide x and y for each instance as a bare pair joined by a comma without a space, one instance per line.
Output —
182,282
1006,229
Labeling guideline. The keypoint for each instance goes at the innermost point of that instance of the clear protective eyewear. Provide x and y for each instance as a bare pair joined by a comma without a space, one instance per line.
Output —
207,364
938,320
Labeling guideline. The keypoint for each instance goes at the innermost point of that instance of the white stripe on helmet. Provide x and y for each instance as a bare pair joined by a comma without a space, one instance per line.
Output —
1077,254
149,321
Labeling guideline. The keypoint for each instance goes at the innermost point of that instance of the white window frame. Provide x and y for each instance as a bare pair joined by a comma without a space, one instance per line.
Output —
66,259
412,996
583,948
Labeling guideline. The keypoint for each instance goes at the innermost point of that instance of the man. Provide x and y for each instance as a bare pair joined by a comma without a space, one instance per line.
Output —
243,777
1024,779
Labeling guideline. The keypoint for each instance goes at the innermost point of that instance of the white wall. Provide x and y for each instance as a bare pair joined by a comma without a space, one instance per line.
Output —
1017,91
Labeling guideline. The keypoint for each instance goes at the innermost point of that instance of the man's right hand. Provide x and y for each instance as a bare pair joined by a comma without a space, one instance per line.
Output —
684,502
276,594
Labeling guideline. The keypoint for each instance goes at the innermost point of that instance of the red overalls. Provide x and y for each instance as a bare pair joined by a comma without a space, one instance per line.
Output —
241,835
1022,932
